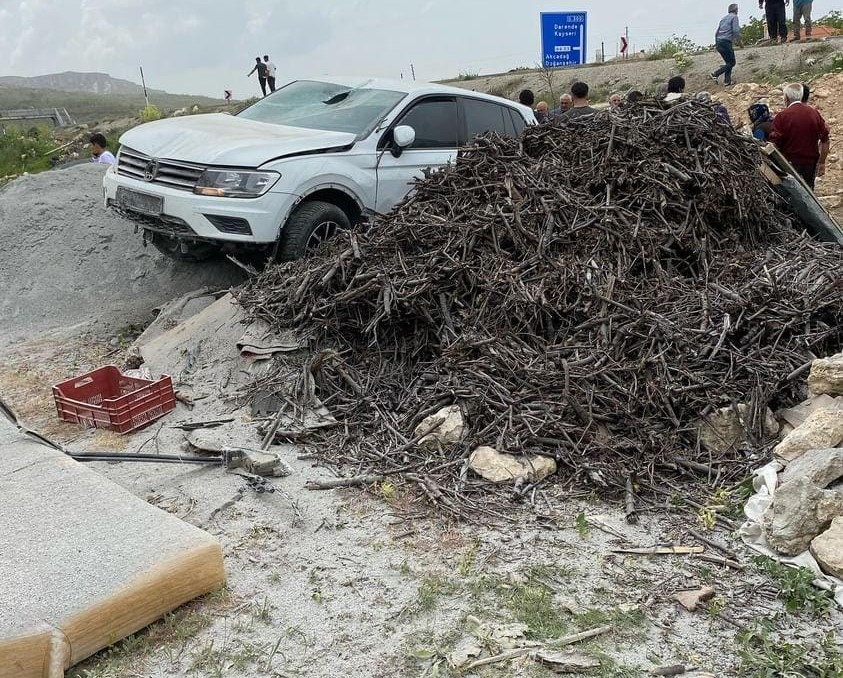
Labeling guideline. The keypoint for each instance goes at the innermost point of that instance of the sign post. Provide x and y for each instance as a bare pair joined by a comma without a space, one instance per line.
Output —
624,45
564,38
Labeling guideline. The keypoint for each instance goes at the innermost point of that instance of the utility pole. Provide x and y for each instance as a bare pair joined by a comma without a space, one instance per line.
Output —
602,52
413,71
145,95
626,35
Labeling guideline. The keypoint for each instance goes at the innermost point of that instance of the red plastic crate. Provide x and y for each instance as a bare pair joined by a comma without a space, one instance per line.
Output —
107,399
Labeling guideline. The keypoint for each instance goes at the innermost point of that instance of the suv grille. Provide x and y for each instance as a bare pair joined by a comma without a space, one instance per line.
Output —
169,173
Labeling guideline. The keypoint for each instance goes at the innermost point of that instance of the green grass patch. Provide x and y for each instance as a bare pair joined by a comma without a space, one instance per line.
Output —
796,588
764,654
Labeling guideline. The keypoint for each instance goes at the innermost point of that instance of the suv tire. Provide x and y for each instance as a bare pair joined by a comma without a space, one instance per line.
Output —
172,248
312,223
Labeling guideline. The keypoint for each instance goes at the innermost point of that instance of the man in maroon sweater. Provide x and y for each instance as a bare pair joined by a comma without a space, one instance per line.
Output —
802,136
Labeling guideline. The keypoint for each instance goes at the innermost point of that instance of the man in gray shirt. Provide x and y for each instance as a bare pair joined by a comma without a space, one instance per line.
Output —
728,34
579,93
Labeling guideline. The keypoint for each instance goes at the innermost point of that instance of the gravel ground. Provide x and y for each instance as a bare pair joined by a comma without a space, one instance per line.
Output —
66,262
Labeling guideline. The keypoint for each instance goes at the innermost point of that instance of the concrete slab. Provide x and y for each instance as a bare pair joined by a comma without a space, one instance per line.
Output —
84,563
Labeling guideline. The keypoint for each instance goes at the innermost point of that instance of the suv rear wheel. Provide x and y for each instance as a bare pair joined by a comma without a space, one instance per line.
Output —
182,250
312,223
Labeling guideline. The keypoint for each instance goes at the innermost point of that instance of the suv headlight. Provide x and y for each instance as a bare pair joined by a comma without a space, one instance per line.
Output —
223,183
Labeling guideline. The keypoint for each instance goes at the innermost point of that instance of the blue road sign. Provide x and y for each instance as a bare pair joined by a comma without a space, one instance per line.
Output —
564,38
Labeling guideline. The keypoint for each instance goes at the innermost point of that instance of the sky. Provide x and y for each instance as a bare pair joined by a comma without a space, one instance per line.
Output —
207,46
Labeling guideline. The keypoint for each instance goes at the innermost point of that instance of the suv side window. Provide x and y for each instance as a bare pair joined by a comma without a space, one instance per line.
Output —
435,123
518,121
484,116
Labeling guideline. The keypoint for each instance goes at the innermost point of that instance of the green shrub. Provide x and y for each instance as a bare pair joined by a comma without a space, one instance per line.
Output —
668,49
832,20
21,153
468,75
150,113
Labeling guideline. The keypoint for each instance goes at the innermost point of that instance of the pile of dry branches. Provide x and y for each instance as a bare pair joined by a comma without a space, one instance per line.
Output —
586,292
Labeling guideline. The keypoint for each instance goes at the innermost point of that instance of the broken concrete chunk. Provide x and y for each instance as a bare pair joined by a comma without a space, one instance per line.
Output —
443,427
821,467
567,662
827,548
800,511
490,464
725,429
466,650
794,416
691,599
822,430
826,376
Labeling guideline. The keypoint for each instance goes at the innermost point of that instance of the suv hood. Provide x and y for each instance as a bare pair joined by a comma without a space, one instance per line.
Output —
220,139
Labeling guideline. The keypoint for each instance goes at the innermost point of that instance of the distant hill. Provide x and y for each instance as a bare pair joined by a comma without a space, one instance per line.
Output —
90,97
92,83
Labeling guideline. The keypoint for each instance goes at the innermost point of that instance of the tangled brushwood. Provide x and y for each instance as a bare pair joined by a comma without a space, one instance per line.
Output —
586,292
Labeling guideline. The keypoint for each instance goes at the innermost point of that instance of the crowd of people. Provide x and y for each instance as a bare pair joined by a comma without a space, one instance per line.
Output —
798,131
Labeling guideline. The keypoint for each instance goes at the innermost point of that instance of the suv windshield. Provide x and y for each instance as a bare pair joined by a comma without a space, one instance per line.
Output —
325,106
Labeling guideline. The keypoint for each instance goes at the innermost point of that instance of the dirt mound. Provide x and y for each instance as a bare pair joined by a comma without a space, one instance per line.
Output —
586,292
65,260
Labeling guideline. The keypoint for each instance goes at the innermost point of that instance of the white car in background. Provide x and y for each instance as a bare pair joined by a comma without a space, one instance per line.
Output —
293,168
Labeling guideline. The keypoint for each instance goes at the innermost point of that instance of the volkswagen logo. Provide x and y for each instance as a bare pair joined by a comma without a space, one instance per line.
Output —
150,171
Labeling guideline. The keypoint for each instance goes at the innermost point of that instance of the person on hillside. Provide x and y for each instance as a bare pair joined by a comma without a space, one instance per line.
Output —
526,98
634,97
802,10
565,103
541,111
806,93
580,106
615,101
727,36
99,151
762,121
776,18
675,89
802,135
270,73
261,69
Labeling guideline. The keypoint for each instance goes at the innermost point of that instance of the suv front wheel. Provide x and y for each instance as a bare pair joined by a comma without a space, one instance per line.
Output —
311,224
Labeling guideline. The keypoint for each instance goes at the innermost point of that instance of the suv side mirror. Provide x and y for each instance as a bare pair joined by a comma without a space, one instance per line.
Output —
403,137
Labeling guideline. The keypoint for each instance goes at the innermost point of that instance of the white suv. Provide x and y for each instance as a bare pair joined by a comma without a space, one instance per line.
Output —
291,169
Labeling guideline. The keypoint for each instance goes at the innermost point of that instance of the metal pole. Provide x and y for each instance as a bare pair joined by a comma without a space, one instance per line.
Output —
143,81
602,52
626,35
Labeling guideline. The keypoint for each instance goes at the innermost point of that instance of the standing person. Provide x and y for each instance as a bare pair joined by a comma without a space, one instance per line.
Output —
526,98
675,88
802,135
565,103
615,101
802,10
776,18
270,73
99,152
541,112
260,67
727,36
580,106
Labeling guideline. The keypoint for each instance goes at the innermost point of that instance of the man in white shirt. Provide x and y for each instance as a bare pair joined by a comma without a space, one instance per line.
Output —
270,73
99,152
